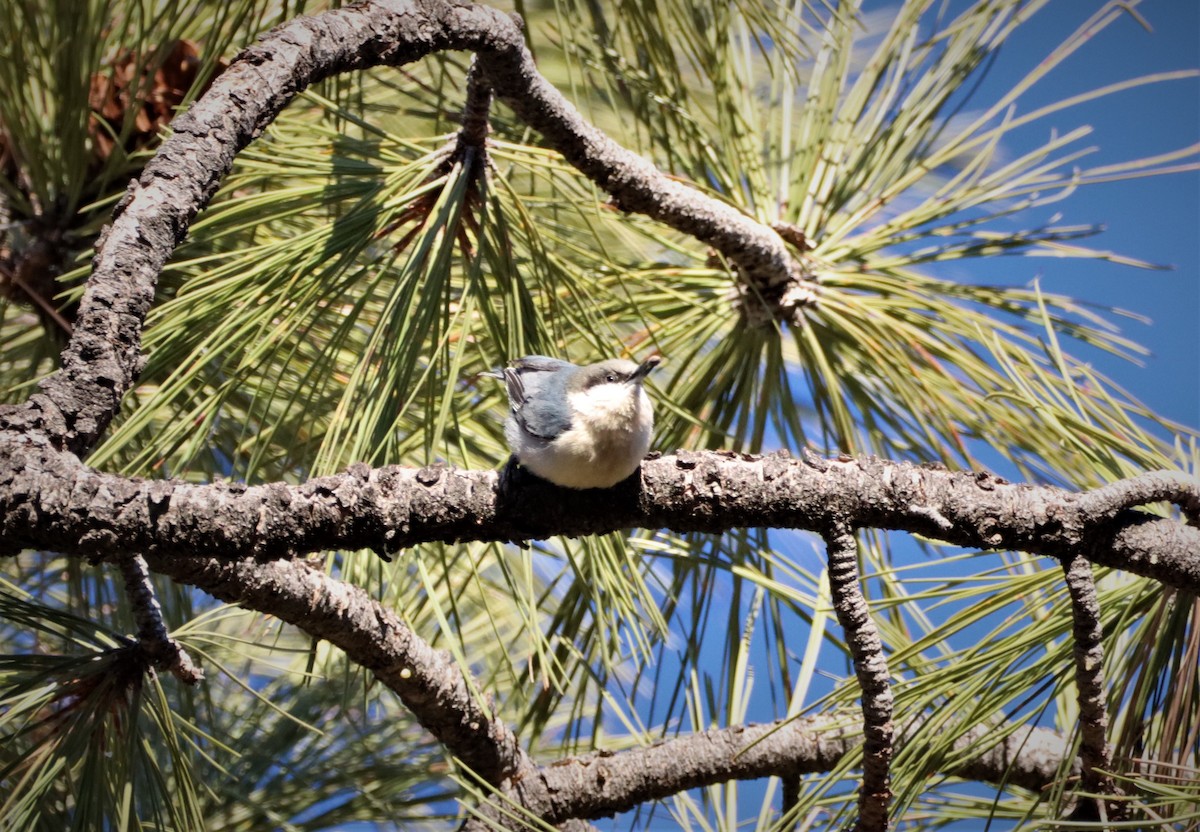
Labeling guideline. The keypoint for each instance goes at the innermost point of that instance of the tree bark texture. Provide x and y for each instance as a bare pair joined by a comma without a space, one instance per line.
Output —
870,666
50,500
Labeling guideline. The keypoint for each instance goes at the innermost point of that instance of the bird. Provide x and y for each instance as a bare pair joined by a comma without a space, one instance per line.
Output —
578,427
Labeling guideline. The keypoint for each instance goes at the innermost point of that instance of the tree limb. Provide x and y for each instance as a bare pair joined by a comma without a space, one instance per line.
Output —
49,500
1094,751
1155,487
155,643
870,666
478,104
636,185
237,539
427,681
434,688
606,783
103,358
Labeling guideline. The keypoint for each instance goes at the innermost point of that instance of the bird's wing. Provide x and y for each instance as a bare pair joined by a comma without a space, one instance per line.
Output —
526,380
515,388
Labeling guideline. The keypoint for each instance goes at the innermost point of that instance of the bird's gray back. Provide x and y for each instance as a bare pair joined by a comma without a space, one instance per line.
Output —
536,388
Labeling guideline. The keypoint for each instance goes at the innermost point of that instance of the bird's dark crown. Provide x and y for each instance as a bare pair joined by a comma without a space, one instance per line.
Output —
612,371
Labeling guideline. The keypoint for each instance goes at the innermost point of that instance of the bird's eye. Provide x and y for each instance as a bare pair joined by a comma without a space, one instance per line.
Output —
611,378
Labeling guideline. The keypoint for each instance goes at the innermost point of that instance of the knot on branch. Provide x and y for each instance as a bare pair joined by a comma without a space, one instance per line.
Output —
762,305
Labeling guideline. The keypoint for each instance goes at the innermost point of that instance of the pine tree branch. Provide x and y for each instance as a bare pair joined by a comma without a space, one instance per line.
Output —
791,789
870,666
49,500
103,358
782,283
237,539
605,783
435,689
1156,487
156,644
427,681
1094,751
474,129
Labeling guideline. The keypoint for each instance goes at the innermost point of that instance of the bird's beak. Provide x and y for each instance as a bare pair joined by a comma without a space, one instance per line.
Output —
644,369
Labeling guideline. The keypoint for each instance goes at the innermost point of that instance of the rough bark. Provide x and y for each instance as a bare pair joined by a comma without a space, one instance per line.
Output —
1095,753
870,666
605,783
49,500
159,649
427,681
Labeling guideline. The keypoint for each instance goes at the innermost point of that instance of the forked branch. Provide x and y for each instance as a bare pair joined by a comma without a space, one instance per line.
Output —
441,697
238,542
103,358
155,643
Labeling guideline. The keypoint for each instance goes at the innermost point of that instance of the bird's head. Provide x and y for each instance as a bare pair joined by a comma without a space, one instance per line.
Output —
608,394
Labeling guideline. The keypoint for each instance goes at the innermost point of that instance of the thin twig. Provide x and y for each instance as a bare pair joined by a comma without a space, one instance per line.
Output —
48,309
1094,751
156,644
870,666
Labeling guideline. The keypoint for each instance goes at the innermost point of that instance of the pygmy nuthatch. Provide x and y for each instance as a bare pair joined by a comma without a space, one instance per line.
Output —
578,427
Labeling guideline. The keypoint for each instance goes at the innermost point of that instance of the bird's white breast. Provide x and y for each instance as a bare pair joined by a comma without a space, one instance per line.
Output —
609,437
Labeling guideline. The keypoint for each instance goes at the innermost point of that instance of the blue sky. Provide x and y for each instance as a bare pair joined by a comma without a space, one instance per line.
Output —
1155,219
